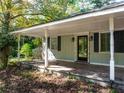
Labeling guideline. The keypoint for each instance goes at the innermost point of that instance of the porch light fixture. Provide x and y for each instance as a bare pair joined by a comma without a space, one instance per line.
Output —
91,38
73,39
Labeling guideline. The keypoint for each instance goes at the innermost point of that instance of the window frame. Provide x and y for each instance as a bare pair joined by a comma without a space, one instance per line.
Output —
106,52
51,43
99,45
100,50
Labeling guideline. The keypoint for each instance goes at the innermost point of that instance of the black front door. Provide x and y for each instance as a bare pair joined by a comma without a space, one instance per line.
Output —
83,48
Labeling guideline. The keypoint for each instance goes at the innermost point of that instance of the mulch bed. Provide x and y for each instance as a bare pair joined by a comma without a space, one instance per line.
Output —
30,81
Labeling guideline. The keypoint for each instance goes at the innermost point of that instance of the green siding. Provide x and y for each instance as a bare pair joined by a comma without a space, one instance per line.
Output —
104,58
67,49
68,53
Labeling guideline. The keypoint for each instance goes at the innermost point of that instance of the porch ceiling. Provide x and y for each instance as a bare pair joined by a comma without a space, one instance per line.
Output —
96,21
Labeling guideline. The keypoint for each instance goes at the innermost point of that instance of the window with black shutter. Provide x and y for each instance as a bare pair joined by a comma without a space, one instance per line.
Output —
59,43
119,41
96,42
105,42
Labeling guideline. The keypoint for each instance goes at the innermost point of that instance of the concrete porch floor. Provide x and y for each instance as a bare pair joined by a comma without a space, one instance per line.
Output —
88,70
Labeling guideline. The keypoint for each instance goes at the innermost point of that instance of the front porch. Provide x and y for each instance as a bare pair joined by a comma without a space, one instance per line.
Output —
98,72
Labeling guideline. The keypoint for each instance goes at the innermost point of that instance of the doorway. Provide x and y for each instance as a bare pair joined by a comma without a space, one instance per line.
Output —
83,48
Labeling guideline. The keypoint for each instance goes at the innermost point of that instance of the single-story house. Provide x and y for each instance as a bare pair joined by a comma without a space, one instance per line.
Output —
95,37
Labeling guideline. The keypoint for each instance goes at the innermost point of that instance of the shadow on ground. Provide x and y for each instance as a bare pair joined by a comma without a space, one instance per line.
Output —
14,80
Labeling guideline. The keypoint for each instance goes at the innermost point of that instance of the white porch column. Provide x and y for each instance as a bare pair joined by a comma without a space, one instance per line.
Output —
18,48
46,49
112,61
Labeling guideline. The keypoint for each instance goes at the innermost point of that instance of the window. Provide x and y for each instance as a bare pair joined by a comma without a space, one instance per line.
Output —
59,43
119,41
105,42
101,42
54,43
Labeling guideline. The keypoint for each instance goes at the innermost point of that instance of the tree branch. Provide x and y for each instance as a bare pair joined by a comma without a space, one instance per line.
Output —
25,14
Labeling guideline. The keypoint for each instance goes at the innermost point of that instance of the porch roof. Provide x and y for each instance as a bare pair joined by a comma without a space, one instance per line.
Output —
92,21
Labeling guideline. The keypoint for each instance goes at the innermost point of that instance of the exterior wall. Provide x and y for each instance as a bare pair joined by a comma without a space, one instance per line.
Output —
67,49
69,52
104,58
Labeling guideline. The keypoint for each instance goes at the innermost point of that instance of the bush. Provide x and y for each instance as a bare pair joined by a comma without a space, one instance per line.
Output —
26,50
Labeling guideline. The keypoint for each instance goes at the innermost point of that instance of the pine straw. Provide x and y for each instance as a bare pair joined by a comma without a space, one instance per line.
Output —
16,81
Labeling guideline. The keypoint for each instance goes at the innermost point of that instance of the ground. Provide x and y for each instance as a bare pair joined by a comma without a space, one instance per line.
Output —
14,80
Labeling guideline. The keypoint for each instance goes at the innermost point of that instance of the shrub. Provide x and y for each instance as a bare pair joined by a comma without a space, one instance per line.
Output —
26,50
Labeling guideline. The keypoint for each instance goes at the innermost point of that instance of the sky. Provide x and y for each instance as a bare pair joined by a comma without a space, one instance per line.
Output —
119,0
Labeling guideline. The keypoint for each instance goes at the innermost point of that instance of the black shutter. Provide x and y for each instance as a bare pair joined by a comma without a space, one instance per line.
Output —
48,42
59,43
119,41
96,42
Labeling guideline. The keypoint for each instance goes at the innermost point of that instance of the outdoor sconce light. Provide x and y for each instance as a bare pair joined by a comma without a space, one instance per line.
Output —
73,39
91,38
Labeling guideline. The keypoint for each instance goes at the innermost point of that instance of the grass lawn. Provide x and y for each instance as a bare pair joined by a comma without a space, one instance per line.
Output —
14,80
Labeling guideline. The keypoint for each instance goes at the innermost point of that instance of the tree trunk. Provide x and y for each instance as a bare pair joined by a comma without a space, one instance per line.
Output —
4,54
4,51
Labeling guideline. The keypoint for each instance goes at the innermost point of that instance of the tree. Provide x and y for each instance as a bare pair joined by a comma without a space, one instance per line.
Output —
99,3
86,5
16,14
26,50
10,12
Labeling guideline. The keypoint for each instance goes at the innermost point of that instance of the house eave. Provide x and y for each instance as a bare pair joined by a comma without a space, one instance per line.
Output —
52,26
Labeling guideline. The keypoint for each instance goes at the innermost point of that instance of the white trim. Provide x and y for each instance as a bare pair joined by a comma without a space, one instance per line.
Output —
103,64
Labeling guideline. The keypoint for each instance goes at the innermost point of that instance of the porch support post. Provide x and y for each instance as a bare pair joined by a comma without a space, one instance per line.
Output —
112,61
46,49
18,48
